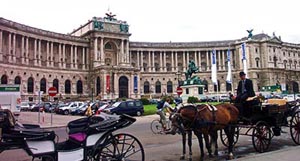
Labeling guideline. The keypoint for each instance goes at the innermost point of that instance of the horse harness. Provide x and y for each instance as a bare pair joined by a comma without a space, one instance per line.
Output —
200,122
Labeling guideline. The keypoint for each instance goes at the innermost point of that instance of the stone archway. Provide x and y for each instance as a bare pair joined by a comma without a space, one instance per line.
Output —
123,87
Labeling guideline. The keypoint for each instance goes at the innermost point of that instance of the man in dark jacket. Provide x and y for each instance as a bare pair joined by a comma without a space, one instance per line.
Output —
244,90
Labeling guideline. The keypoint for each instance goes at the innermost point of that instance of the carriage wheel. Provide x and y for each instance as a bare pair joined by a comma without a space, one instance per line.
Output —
156,127
224,138
295,127
261,136
122,147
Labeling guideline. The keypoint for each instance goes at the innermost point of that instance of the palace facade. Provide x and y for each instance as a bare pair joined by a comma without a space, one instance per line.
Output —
98,59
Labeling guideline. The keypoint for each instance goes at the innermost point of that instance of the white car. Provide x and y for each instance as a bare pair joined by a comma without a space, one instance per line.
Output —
25,106
68,108
291,97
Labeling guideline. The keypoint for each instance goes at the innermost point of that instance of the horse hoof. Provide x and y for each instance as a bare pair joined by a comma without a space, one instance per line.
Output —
230,157
182,157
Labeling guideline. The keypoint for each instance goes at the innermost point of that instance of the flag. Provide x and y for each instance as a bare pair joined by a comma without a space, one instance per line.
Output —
214,67
244,59
228,78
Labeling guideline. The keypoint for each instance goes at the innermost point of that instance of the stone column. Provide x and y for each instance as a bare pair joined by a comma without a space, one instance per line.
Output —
172,61
96,57
22,50
102,60
149,61
72,59
1,43
165,63
160,61
83,58
75,57
59,56
187,58
153,64
35,52
27,50
176,61
195,58
48,54
51,55
208,64
14,56
142,61
129,57
122,53
127,52
64,55
9,48
199,60
39,53
138,59
224,58
184,61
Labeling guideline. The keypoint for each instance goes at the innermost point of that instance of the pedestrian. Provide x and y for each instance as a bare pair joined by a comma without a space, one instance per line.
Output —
88,111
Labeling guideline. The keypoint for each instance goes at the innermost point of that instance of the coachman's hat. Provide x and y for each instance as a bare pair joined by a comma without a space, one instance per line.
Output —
242,74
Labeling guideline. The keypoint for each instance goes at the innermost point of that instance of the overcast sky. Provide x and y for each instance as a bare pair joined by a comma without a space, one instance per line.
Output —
165,20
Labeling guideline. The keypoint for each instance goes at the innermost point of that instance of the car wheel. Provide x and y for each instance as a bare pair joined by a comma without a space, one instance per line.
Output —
139,113
114,113
66,112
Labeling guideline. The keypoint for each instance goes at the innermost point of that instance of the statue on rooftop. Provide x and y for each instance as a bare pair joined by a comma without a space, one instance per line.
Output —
110,16
250,33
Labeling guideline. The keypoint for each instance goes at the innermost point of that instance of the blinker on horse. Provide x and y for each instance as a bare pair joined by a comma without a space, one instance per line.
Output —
201,120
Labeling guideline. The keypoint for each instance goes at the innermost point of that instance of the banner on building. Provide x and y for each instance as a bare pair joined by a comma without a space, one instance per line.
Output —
135,84
228,78
214,67
244,59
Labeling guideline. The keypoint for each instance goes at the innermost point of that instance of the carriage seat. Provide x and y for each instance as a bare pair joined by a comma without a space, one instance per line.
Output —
279,102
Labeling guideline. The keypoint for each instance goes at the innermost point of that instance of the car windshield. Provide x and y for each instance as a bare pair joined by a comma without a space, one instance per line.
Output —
116,104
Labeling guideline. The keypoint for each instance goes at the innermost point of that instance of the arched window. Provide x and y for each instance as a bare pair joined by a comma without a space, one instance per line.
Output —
43,85
18,80
169,87
257,62
146,87
4,79
30,85
108,46
98,86
67,87
205,83
56,84
169,67
215,86
228,86
79,87
158,87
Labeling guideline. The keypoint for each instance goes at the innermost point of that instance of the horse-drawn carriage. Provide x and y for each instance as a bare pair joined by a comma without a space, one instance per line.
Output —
265,120
262,123
90,139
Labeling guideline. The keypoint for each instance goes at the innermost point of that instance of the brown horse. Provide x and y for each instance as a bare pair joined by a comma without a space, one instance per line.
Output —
206,119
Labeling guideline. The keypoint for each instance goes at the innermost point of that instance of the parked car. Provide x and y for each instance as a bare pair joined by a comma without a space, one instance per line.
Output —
68,108
133,107
102,108
82,109
291,97
43,106
25,106
224,98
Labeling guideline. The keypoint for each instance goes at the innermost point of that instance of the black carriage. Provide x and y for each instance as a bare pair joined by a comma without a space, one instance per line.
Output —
89,139
265,120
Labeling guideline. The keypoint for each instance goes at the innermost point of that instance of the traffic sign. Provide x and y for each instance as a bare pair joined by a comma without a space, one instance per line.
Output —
179,90
52,91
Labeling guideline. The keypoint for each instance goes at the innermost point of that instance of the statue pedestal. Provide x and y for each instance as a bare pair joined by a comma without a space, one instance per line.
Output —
193,90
